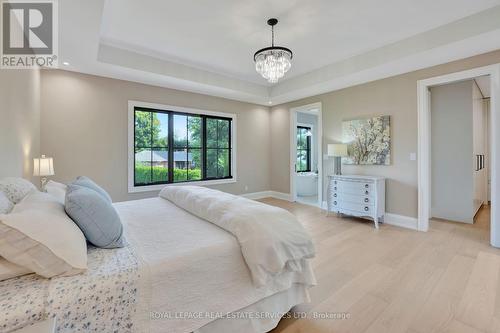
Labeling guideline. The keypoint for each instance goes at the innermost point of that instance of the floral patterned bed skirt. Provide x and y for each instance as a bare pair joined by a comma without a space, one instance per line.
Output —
103,299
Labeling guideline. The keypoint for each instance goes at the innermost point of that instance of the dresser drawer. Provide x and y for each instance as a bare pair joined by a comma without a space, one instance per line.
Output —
354,188
357,199
362,208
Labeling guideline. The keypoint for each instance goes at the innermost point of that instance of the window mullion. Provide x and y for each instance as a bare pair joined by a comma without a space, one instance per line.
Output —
204,147
170,147
217,146
151,148
230,151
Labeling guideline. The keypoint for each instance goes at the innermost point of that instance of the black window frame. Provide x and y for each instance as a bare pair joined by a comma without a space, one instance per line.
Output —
171,146
307,150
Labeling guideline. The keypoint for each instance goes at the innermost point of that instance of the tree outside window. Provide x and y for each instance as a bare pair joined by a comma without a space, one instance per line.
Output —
303,149
172,147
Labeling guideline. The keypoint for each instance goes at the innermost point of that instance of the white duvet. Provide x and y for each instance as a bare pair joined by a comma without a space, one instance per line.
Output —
191,269
272,240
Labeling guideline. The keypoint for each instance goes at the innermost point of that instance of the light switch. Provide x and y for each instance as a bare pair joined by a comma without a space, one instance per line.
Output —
413,156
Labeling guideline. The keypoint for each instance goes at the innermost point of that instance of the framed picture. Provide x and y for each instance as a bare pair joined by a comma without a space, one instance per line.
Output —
368,141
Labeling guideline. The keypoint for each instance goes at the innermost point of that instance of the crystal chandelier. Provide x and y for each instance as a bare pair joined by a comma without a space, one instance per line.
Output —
274,61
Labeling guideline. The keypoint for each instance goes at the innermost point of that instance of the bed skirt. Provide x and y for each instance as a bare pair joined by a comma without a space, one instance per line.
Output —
261,316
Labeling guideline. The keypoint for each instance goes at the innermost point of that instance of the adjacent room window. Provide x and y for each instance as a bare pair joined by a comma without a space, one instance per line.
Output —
303,149
176,147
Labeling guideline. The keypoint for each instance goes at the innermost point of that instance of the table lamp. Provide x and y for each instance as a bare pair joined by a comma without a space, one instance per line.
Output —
43,167
337,151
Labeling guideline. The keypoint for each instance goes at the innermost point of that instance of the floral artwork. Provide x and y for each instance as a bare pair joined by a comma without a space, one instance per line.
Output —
368,141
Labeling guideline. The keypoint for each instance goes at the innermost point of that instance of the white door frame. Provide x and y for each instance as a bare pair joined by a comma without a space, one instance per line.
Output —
424,143
311,109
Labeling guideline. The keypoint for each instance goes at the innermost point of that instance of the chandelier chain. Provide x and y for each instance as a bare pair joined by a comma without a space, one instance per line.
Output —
272,39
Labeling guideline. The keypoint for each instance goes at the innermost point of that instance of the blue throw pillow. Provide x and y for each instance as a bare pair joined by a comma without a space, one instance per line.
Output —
89,183
96,217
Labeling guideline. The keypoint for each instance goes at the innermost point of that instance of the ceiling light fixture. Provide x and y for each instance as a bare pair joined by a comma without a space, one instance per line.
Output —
274,61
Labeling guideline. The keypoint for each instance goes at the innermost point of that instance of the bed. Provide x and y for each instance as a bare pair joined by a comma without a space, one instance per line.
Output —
178,273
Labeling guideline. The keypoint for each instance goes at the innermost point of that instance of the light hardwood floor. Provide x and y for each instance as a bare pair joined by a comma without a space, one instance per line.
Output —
398,280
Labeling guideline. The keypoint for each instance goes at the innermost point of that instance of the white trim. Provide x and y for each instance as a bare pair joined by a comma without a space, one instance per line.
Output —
392,219
401,221
314,109
424,142
155,188
267,194
132,104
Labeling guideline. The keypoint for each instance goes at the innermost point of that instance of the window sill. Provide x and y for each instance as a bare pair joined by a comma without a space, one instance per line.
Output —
153,188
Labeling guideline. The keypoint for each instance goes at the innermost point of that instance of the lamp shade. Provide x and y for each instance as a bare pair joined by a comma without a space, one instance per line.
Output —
337,150
43,166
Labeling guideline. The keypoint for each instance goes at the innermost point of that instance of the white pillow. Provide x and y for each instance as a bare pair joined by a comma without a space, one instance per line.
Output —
16,188
40,236
9,270
57,190
5,204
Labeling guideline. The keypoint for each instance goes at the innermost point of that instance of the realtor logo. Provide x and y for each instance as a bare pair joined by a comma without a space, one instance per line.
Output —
29,34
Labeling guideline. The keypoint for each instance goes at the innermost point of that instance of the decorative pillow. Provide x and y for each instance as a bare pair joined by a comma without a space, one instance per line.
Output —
5,204
57,190
16,188
9,270
89,183
39,236
95,216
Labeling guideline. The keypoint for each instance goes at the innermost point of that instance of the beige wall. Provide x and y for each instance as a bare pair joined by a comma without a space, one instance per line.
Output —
396,96
19,122
84,127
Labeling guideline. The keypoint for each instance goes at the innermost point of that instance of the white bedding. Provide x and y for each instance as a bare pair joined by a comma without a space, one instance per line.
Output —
176,264
272,240
195,266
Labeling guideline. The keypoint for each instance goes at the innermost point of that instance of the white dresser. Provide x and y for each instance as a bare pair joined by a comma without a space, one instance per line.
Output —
362,196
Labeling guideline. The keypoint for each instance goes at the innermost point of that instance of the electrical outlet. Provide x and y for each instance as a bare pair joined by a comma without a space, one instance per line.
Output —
413,156
246,188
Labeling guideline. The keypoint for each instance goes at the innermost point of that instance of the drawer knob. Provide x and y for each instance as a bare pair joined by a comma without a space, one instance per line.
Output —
366,185
335,202
335,182
335,195
366,209
366,200
335,188
366,192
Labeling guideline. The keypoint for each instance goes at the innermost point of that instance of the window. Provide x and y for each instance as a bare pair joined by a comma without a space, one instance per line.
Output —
177,146
303,149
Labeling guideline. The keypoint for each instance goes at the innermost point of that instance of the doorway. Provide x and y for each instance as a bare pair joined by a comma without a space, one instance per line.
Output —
424,143
306,176
459,151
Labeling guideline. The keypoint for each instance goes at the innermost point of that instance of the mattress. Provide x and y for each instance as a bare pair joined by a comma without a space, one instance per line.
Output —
177,274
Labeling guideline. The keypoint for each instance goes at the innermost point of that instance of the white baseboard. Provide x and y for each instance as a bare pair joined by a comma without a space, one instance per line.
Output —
267,194
392,219
401,221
